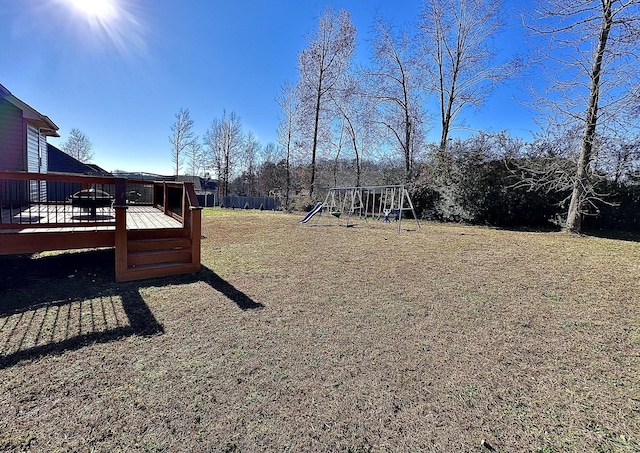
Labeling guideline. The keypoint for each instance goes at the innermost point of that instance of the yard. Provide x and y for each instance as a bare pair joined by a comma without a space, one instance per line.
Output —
303,338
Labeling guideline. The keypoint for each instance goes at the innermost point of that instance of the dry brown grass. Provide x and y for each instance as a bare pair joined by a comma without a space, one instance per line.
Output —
302,338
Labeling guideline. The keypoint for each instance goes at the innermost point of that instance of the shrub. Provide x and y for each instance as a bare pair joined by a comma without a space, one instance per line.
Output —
622,213
471,183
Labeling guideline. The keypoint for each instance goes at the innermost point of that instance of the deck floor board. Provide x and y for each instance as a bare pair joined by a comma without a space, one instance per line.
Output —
32,219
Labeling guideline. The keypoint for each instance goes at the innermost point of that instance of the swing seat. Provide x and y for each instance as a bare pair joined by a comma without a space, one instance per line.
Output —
336,214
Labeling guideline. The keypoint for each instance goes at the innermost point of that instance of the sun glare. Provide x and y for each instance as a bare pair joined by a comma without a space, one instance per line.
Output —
102,10
109,20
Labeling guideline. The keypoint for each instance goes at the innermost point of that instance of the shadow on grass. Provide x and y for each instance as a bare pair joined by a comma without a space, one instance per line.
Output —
243,301
604,234
617,235
63,302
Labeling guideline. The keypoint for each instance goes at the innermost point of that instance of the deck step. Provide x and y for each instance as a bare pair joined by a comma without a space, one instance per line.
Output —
158,253
133,235
158,270
168,243
180,255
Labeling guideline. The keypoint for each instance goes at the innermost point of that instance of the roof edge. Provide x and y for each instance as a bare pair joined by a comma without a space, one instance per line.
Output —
42,122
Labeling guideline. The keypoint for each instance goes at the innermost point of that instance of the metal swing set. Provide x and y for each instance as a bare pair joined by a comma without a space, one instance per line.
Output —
368,203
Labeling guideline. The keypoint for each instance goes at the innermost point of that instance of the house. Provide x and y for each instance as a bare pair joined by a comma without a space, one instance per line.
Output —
61,162
206,188
23,135
23,140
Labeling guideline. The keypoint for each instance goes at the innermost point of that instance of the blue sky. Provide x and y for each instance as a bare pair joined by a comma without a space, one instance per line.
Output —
121,78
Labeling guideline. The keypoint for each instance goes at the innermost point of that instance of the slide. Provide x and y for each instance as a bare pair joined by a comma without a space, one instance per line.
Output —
312,213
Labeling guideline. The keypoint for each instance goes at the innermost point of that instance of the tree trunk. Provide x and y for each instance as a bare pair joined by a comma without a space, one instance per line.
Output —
407,132
315,139
407,151
358,169
582,182
288,174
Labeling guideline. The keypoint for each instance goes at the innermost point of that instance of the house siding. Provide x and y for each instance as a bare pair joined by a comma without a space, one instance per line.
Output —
44,154
12,152
33,149
36,162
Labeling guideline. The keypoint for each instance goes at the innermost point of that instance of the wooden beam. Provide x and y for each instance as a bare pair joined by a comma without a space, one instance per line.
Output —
18,243
196,235
56,177
120,242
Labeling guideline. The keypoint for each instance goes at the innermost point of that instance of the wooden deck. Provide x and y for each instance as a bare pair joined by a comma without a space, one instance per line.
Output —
33,219
148,217
158,237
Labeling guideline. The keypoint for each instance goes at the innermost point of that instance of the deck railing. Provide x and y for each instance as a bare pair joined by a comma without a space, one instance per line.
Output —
46,200
35,203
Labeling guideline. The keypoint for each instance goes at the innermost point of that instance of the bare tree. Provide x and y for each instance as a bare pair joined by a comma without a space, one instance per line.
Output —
460,61
213,151
272,172
592,61
78,146
394,83
195,158
182,137
321,66
548,165
288,132
355,109
269,153
251,153
545,164
223,141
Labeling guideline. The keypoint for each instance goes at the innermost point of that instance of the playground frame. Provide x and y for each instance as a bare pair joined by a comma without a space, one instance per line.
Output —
366,202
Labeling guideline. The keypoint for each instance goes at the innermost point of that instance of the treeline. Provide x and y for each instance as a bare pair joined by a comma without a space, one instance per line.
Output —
426,74
349,122
486,179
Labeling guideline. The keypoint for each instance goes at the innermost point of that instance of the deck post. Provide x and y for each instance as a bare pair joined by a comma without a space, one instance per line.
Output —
120,206
121,241
193,222
185,203
196,234
165,203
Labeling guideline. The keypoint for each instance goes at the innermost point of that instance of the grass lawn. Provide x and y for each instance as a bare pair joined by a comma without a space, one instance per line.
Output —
303,338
